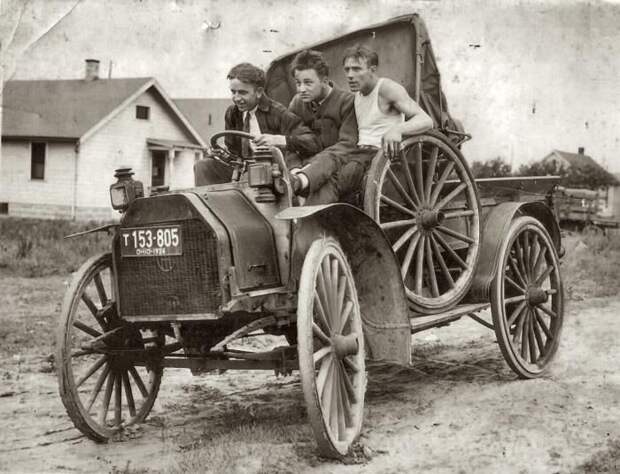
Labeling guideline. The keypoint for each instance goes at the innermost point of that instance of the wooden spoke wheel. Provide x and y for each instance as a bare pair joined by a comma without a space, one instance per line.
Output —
527,301
330,345
106,379
426,202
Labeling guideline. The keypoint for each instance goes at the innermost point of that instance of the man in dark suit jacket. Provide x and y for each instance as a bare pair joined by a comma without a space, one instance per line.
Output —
329,113
252,111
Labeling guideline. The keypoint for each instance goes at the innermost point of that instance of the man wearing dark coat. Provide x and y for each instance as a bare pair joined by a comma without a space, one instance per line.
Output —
253,112
329,113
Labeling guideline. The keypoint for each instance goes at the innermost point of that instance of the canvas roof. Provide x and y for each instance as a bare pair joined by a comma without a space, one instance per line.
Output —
72,109
397,42
198,111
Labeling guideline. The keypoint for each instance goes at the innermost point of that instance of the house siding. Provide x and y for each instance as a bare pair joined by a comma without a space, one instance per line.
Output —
51,197
120,142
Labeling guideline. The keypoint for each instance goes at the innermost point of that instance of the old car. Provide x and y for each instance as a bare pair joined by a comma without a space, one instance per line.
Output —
189,272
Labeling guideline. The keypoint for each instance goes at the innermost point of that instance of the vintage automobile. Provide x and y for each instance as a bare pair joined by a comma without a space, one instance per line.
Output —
190,272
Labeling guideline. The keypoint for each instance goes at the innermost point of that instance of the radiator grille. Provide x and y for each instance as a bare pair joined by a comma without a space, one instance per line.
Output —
184,284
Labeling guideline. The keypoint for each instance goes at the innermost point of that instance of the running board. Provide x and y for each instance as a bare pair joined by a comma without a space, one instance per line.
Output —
422,323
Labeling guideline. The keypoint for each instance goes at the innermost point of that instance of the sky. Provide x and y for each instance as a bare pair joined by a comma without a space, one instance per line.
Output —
524,76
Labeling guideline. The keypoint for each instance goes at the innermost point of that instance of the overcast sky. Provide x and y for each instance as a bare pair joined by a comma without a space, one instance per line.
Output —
525,77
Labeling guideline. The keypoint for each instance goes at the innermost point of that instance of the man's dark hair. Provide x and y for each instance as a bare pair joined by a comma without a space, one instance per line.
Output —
360,51
248,73
310,59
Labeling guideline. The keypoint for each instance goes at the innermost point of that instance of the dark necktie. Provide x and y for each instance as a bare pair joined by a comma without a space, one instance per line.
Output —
314,106
245,143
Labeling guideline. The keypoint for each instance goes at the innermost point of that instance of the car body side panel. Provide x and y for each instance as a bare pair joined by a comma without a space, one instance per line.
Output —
376,272
251,238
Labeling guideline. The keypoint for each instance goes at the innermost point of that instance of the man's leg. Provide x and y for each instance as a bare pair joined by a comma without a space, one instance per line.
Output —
350,179
326,194
210,171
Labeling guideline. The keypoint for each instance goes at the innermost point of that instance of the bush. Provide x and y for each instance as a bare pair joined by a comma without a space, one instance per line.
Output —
591,266
36,247
495,168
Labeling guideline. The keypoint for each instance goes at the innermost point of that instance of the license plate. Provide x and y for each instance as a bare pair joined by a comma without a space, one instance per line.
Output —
161,241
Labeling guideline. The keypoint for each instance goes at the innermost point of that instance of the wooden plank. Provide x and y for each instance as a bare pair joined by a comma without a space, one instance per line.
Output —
422,322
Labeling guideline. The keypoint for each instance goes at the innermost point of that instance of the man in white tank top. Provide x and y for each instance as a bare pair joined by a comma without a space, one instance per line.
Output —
384,110
385,113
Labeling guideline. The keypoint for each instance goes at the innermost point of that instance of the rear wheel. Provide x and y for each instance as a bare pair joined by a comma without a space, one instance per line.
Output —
330,346
107,377
426,202
527,302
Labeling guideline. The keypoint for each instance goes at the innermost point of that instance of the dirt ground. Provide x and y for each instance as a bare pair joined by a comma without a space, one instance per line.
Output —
458,409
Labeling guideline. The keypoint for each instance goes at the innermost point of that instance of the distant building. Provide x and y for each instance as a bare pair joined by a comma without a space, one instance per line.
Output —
63,139
205,115
608,196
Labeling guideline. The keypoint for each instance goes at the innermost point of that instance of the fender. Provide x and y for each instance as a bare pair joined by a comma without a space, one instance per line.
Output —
380,288
494,229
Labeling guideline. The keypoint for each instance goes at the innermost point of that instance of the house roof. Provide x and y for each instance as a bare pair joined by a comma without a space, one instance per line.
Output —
62,108
581,161
72,109
206,115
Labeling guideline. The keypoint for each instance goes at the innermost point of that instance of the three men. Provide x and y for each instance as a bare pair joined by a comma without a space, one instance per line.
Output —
253,112
347,130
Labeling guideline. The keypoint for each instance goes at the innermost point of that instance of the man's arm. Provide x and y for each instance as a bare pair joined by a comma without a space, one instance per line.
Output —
416,120
293,135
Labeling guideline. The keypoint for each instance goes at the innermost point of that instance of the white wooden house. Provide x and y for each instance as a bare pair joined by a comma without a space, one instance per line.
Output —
63,139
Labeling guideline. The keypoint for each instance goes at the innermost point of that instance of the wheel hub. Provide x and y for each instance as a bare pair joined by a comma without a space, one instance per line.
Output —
345,345
536,295
430,218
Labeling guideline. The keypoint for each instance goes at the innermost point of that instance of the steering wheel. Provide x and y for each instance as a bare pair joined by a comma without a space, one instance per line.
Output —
226,156
233,160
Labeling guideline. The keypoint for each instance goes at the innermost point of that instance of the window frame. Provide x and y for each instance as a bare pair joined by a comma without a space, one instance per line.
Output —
144,108
32,163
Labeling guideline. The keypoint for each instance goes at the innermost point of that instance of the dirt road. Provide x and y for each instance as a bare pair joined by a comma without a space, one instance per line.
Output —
458,409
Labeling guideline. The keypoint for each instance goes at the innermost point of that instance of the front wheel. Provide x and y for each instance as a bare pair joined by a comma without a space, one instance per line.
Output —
330,344
107,378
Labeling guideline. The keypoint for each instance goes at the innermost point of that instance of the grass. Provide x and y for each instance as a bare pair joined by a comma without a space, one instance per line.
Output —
36,247
591,266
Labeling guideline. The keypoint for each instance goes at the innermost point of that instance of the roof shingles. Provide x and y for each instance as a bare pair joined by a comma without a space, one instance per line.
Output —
62,108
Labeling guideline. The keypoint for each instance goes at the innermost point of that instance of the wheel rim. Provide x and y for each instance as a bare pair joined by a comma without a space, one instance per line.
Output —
331,353
531,300
426,202
102,389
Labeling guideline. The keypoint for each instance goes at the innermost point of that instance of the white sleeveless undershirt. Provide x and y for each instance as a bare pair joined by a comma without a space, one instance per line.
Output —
372,123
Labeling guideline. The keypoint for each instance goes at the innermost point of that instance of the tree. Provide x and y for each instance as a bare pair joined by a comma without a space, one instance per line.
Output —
495,168
586,176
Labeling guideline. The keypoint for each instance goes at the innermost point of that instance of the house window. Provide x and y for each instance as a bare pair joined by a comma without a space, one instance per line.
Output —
4,208
37,160
142,112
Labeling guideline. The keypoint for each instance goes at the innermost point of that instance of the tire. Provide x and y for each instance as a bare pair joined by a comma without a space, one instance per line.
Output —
430,212
330,345
527,299
83,356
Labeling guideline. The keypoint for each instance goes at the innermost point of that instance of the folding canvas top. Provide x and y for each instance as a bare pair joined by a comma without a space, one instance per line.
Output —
405,55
